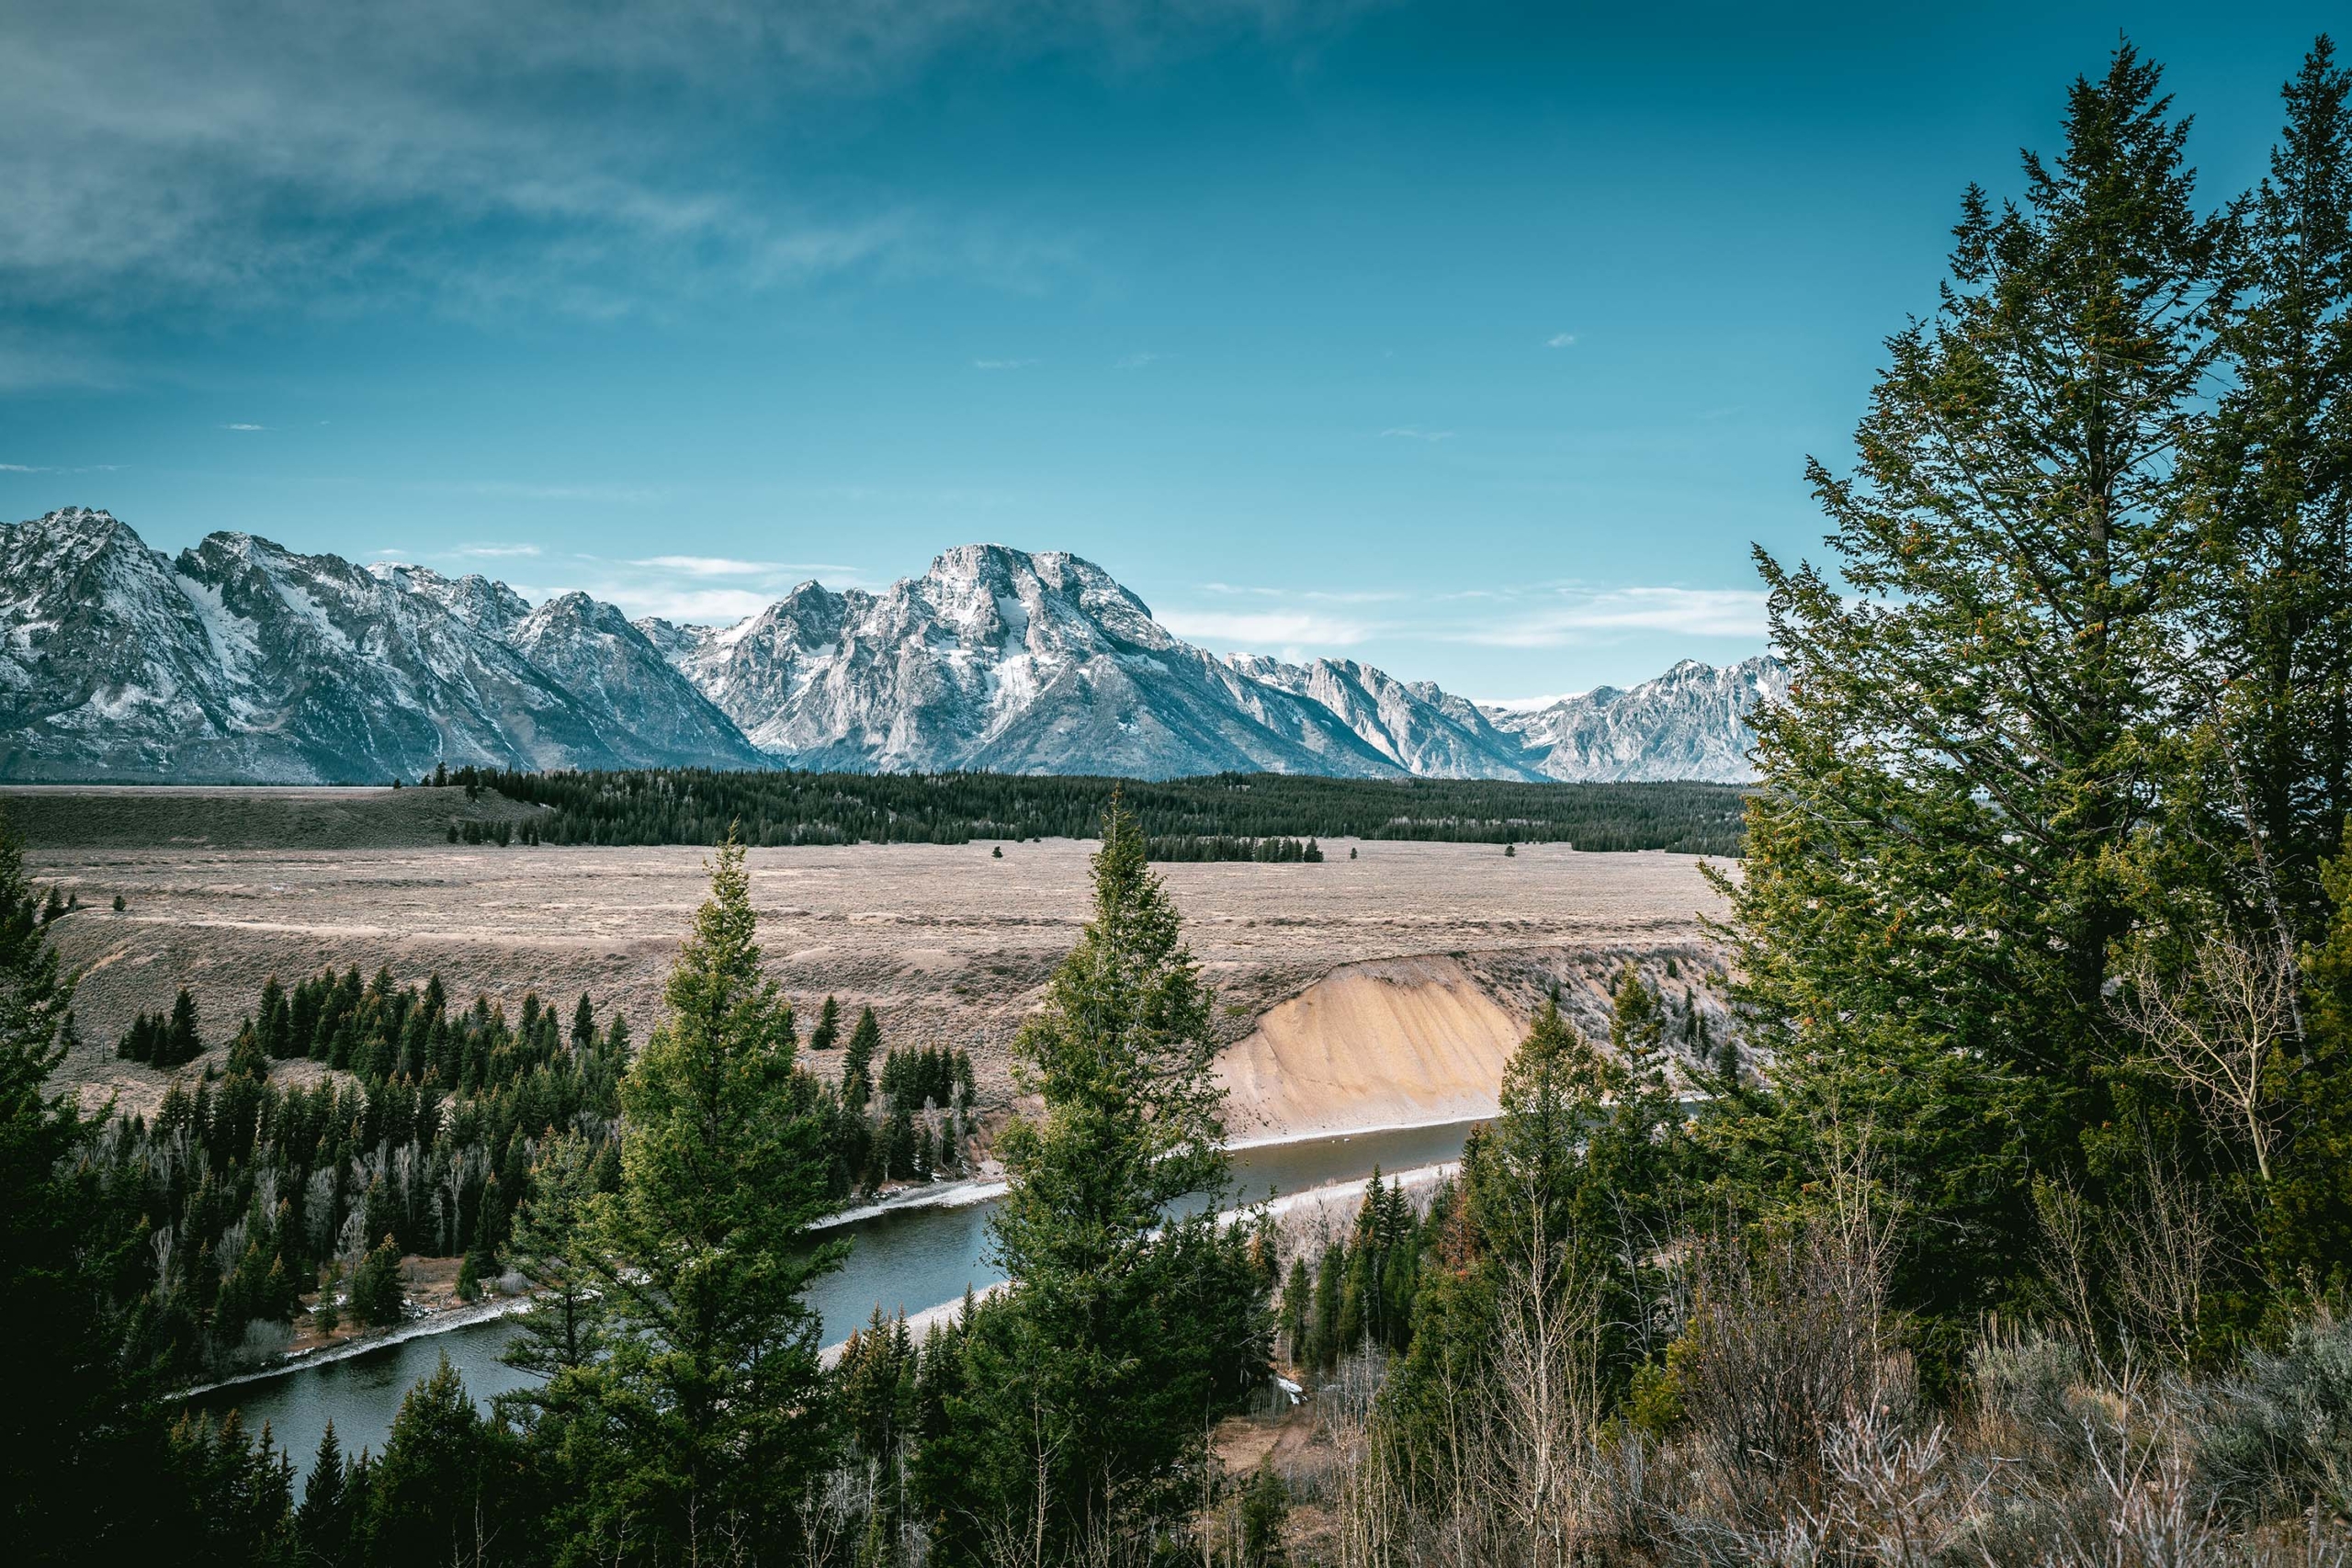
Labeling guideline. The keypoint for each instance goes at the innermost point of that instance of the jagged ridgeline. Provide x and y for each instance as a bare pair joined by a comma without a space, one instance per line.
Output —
1222,817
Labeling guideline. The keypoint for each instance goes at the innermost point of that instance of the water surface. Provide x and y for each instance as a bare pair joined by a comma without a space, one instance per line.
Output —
907,1259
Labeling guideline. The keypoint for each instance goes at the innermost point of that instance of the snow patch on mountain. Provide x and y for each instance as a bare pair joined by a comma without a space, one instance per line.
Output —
241,659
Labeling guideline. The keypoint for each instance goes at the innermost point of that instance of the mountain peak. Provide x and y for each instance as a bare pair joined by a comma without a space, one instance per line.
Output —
244,660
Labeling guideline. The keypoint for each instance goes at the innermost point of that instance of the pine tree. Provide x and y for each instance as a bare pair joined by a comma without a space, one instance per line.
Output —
1298,1311
857,1061
828,1032
560,1331
1090,1380
709,1401
323,1524
182,1042
1963,776
2272,659
376,1296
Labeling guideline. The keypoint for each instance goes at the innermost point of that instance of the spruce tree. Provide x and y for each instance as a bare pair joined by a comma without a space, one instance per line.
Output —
857,1061
1127,1326
2271,664
182,1042
707,1411
560,1331
323,1523
1956,793
828,1032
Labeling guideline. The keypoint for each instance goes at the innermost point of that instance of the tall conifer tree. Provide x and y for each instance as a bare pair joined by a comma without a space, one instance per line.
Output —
706,1416
1128,1328
1956,790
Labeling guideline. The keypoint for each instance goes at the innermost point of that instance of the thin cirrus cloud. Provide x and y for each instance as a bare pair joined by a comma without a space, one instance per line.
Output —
245,427
1002,363
1320,595
595,494
1581,615
1561,340
1255,629
724,566
1414,433
1565,616
187,153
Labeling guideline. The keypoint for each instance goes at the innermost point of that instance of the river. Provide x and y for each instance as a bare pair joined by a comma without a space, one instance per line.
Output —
905,1259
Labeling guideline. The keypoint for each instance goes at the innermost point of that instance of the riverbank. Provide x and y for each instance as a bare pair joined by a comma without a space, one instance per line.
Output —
425,1324
918,1255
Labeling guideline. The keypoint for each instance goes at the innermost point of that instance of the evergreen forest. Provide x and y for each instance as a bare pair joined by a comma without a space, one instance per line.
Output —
1225,817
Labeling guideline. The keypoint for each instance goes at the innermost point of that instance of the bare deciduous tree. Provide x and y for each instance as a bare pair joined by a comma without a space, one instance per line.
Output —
2215,1026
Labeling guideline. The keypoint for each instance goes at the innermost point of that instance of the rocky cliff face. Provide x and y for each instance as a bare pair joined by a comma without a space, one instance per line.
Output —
244,660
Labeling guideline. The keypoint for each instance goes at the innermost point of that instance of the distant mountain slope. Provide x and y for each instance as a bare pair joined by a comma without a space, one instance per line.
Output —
1689,723
243,661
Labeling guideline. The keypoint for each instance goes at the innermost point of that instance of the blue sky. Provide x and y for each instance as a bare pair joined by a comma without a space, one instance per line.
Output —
1476,342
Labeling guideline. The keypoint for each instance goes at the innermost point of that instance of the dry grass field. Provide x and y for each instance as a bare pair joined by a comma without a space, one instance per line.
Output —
224,888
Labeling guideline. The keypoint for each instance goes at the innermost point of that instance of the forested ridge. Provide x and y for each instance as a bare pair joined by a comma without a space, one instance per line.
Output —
2012,1225
699,806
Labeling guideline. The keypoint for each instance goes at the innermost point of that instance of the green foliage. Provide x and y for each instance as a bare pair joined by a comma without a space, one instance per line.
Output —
697,806
79,1406
1961,795
1081,1395
562,1331
375,1297
308,1176
2267,600
1215,846
696,1430
451,1486
1265,1511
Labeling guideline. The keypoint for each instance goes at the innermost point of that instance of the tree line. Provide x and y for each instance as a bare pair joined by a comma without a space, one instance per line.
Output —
687,806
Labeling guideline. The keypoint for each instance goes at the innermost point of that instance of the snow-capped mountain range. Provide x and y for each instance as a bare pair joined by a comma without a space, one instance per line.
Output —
241,661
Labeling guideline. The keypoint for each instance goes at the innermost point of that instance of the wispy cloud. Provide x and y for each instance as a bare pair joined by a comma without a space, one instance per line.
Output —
701,590
245,427
496,552
1414,433
1526,704
1570,616
1322,595
1561,340
723,566
1254,630
253,153
1137,361
1002,363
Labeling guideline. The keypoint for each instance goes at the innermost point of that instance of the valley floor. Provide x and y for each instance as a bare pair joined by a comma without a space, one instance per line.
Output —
1382,990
